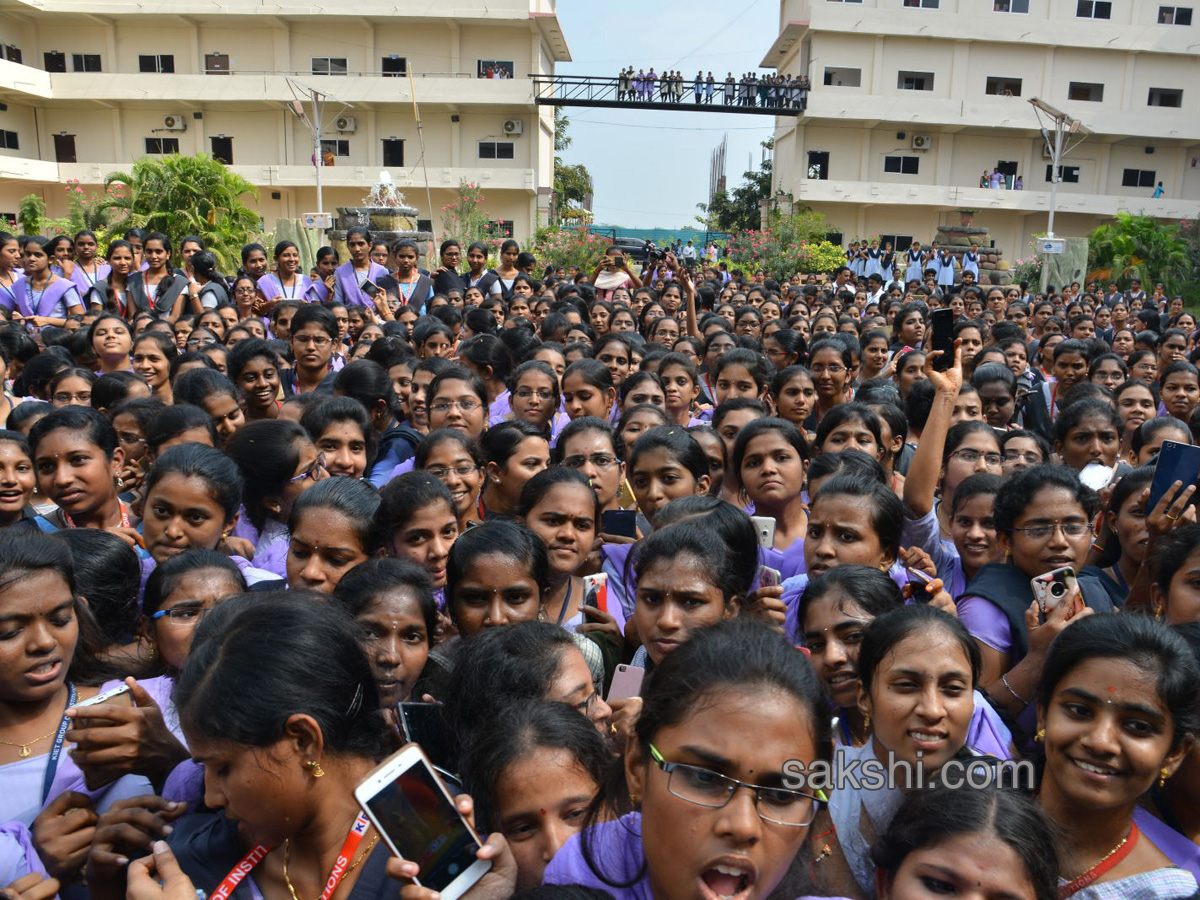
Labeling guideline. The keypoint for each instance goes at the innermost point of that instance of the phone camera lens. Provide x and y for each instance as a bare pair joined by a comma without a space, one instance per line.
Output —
1058,590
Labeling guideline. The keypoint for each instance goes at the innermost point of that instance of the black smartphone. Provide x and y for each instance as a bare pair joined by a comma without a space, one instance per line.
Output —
423,724
941,327
619,522
1176,462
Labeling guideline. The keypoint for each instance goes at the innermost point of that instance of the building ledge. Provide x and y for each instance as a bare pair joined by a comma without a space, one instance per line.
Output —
878,193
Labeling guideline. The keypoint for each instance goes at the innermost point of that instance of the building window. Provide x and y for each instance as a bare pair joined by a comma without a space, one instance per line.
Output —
216,64
901,165
1165,97
13,53
1010,6
163,63
393,153
818,165
393,66
494,68
9,141
1144,178
1174,15
1093,9
329,65
9,217
1003,87
337,148
55,61
496,150
921,4
839,77
1081,90
1067,174
899,242
85,62
500,228
915,81
162,145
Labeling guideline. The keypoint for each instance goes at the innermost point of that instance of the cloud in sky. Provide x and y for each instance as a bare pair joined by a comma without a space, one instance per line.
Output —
650,167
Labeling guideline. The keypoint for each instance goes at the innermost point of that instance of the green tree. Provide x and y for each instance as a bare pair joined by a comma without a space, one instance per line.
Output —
738,210
572,184
188,195
1142,247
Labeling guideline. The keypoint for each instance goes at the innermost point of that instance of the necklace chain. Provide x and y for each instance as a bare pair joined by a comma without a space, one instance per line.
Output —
287,855
25,752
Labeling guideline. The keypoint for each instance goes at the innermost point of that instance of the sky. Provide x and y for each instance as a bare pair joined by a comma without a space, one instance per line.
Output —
650,168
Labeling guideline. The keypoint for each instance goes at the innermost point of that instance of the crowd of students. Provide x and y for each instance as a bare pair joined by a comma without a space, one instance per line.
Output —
277,506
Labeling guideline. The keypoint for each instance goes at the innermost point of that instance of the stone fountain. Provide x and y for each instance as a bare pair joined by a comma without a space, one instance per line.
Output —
385,212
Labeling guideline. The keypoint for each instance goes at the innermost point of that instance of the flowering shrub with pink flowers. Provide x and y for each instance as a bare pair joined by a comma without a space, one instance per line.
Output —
566,247
788,246
464,218
92,212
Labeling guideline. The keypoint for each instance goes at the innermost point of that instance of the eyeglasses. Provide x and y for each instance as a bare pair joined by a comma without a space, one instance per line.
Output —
466,406
317,340
316,471
1034,459
526,393
588,706
714,790
971,457
183,615
83,398
440,472
193,343
599,460
1069,529
832,370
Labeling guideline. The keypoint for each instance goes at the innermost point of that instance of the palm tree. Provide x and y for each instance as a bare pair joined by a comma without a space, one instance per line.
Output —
1141,247
189,195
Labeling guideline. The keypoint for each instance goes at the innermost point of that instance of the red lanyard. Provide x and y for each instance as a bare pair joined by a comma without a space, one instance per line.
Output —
125,523
1103,867
255,856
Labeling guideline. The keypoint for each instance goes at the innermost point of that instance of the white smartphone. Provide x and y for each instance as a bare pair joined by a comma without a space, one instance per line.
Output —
764,527
1052,588
626,682
415,814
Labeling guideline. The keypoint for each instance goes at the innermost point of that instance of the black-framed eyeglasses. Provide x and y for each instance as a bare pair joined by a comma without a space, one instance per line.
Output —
704,787
316,471
971,456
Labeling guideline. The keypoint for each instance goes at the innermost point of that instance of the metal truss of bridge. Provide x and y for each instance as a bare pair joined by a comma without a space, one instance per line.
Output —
571,90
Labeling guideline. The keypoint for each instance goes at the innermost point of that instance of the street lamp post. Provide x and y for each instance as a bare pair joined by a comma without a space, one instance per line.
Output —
1063,126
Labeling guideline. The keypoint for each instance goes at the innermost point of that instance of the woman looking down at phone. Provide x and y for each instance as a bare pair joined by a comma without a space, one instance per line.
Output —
702,811
281,761
1044,522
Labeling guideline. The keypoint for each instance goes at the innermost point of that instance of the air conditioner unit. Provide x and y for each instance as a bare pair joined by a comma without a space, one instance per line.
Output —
175,122
346,124
921,142
513,126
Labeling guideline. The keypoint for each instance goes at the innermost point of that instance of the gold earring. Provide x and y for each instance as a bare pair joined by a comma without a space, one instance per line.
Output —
1162,777
315,768
1040,736
633,799
866,722
152,652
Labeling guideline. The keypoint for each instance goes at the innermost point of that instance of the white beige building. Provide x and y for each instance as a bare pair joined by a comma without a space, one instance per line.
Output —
88,86
912,100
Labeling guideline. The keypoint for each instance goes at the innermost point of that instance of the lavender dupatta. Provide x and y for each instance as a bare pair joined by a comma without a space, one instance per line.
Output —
351,292
56,290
